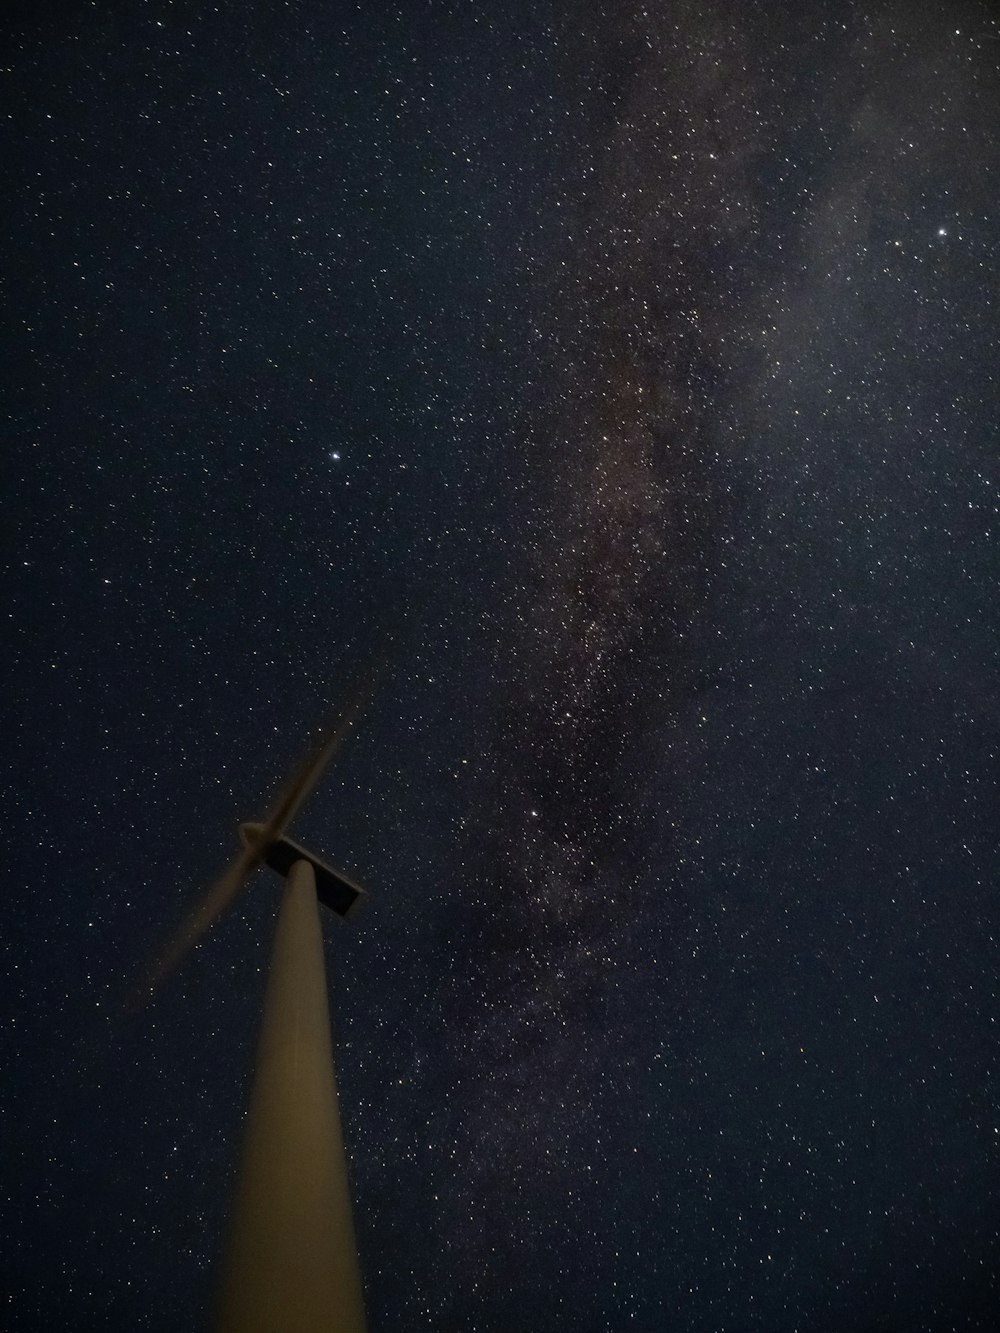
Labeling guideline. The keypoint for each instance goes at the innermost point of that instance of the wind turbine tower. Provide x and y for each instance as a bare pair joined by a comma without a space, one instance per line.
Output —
290,1263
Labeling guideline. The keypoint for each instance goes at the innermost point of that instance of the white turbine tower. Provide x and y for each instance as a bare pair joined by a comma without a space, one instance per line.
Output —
290,1263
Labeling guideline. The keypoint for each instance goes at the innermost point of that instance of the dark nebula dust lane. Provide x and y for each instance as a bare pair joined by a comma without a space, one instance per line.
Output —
632,370
670,244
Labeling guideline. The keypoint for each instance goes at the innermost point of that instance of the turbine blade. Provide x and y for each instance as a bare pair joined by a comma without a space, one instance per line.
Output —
308,773
258,837
204,915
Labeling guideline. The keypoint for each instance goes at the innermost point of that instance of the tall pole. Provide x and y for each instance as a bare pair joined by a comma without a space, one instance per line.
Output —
291,1263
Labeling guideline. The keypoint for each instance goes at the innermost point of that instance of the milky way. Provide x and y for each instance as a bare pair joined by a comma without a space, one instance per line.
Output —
624,526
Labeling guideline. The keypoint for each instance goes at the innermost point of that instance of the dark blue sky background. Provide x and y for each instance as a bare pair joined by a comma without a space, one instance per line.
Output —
633,369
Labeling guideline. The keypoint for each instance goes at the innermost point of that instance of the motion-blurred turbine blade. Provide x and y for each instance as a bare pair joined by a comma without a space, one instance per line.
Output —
310,770
219,896
257,838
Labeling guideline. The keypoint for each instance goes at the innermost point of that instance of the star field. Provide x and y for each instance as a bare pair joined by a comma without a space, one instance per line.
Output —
631,370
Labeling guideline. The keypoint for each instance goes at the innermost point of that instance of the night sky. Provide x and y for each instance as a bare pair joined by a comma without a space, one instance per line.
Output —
633,373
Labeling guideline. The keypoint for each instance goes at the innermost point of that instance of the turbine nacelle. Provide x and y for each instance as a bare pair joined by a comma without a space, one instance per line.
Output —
333,888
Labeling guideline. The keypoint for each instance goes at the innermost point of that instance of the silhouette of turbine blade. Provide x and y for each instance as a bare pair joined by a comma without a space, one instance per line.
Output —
308,773
227,887
219,896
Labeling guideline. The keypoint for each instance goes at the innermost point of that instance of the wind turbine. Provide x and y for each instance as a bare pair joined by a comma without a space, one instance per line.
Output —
290,1263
